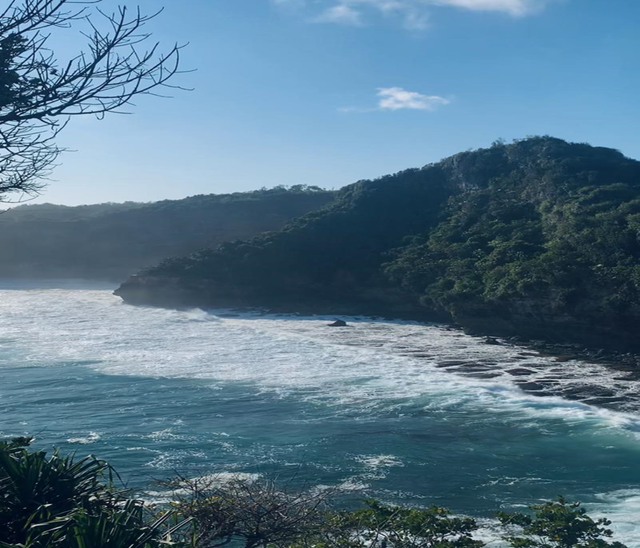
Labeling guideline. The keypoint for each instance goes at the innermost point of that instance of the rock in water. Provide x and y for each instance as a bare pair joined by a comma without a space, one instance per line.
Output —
338,323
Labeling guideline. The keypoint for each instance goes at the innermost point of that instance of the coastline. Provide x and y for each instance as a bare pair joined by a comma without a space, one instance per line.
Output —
624,365
564,337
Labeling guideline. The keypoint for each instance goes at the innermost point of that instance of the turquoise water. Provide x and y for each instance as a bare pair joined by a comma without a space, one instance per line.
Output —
371,408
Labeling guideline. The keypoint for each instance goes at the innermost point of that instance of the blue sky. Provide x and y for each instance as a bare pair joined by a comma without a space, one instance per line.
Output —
327,92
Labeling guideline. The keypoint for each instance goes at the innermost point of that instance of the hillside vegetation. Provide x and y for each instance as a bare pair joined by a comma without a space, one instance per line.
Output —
111,241
539,238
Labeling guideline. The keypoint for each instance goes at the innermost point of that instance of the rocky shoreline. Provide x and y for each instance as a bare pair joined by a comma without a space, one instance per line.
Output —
609,380
543,380
546,380
564,336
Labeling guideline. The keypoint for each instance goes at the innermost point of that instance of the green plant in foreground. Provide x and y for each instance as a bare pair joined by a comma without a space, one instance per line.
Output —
48,502
36,489
127,527
56,502
379,525
557,524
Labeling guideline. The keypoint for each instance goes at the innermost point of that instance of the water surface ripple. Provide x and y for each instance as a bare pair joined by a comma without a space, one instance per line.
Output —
403,411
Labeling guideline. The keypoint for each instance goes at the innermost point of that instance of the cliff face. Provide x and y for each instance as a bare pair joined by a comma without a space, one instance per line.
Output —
535,319
176,292
539,238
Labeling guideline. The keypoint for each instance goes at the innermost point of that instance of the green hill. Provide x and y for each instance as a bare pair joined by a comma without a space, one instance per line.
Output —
111,241
539,238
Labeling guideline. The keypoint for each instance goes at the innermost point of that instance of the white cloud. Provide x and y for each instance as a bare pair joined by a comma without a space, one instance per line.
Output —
415,20
398,98
411,14
341,14
512,7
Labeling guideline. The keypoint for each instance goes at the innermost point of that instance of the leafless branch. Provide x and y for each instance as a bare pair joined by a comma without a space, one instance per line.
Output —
254,514
39,93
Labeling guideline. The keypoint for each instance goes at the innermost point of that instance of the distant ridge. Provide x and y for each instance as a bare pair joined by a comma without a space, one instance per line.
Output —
112,241
539,238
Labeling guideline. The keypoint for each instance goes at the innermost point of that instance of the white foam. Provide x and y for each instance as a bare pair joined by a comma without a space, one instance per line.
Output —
376,462
207,481
367,369
622,508
91,437
365,366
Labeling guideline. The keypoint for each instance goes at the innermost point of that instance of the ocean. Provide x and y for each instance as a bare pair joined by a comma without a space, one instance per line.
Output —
406,412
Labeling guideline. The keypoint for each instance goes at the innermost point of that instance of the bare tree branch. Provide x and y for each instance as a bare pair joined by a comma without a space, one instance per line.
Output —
39,94
248,513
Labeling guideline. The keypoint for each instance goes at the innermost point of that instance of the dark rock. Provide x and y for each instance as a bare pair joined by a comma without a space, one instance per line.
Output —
492,340
588,392
338,323
483,375
474,367
613,402
531,386
520,371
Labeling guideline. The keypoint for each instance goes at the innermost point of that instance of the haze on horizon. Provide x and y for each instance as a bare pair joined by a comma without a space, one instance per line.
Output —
328,92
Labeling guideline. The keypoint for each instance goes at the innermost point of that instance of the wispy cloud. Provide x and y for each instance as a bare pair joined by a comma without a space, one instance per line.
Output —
341,14
517,8
415,20
289,4
396,98
411,14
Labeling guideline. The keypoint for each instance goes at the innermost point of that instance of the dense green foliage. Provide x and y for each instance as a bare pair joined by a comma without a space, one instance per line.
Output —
60,502
525,236
378,525
557,524
328,255
559,227
56,501
110,241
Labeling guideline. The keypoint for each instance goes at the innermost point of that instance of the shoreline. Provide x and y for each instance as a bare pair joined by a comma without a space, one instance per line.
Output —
537,381
525,322
618,359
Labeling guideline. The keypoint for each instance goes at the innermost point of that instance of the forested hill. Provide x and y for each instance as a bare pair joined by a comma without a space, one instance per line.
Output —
539,237
111,241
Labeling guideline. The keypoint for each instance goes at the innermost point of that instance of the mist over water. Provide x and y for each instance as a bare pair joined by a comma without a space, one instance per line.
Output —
398,410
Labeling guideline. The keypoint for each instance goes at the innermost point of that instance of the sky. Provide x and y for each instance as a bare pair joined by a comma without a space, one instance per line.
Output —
328,92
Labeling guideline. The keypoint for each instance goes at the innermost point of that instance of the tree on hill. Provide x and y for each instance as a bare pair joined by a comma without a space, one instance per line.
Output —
40,93
539,238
